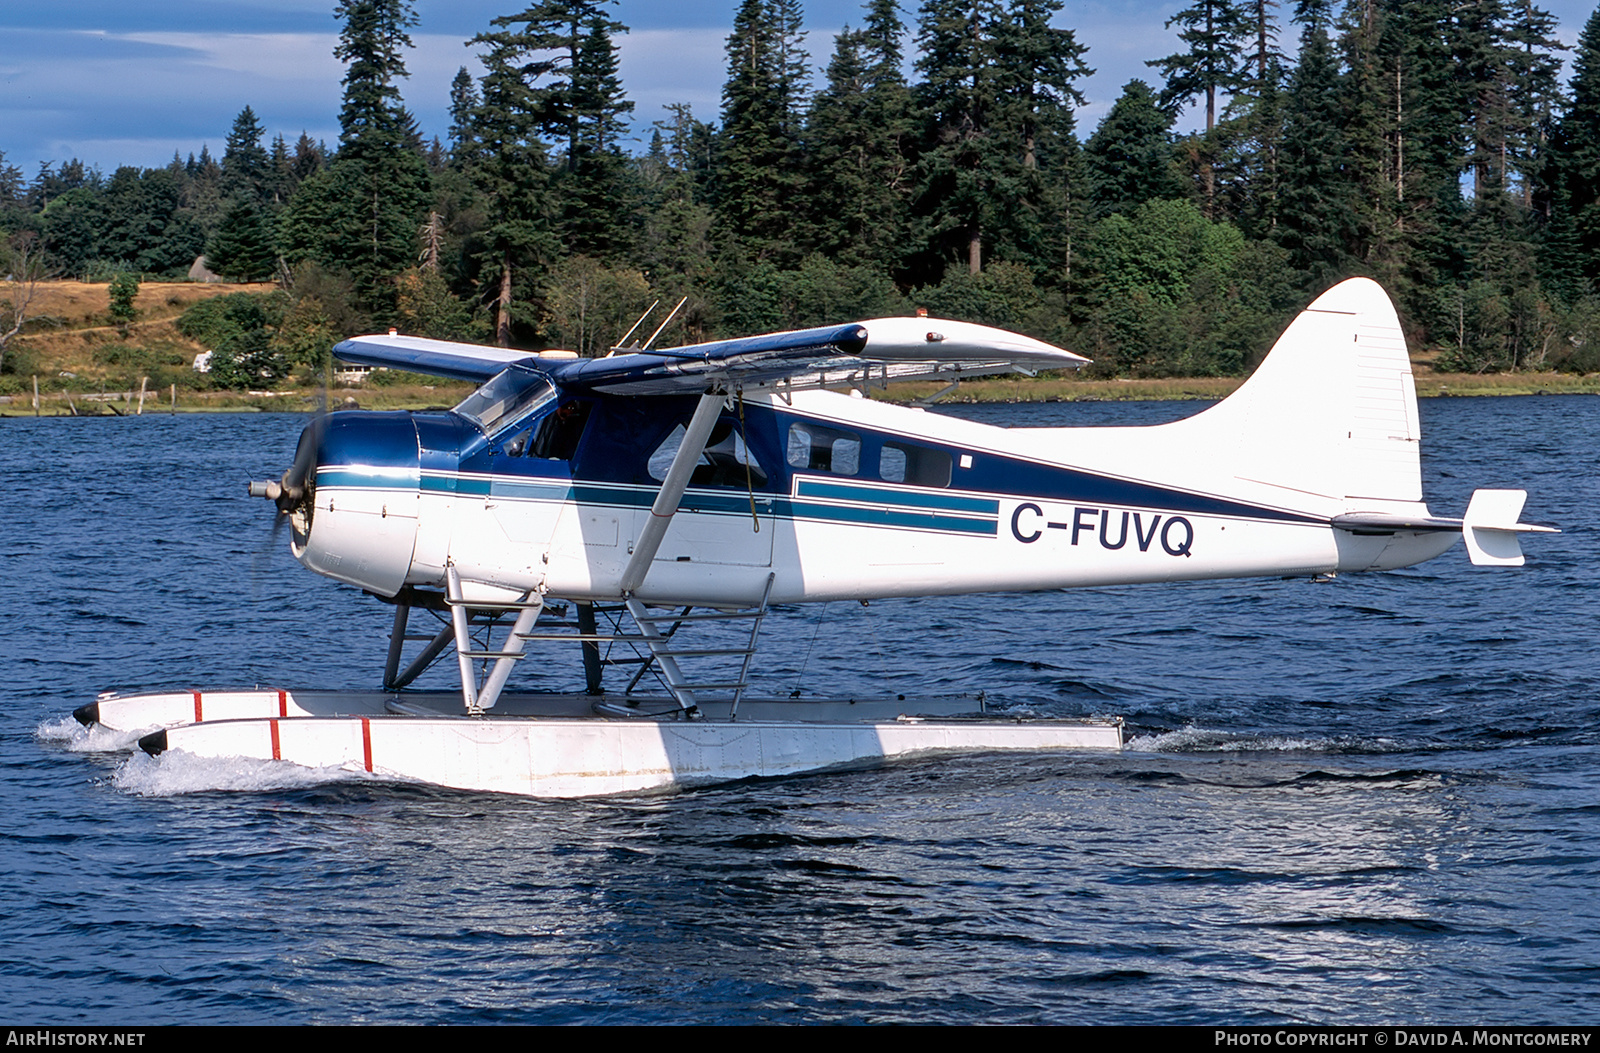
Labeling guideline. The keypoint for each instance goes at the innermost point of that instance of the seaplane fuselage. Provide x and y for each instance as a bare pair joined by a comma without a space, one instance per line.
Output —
836,497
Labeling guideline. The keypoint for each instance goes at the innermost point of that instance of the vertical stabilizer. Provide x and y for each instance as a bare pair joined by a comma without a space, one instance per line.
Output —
1332,410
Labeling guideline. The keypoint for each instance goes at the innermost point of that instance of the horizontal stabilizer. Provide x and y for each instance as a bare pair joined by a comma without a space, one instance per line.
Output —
1387,523
1491,527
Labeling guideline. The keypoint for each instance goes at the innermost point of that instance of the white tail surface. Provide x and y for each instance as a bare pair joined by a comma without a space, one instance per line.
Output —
1327,424
1332,410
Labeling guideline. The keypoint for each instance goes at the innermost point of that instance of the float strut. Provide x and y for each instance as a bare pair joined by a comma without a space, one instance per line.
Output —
397,640
591,649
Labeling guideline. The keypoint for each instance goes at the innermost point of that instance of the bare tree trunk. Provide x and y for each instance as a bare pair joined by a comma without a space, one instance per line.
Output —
26,270
432,237
502,328
975,249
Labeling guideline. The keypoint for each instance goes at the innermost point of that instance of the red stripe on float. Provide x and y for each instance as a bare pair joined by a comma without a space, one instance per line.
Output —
283,703
197,707
366,742
277,754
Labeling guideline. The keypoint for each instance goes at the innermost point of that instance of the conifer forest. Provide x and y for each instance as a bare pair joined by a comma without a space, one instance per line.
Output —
1449,149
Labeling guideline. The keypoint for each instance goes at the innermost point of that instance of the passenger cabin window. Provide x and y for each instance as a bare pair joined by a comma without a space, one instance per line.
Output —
903,462
824,449
726,460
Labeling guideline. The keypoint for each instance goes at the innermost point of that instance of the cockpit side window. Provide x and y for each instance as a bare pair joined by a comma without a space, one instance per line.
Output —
554,435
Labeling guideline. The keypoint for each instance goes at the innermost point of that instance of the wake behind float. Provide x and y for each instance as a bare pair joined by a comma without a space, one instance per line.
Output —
677,495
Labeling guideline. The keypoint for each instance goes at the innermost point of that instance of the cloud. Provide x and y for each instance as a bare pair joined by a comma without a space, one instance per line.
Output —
663,66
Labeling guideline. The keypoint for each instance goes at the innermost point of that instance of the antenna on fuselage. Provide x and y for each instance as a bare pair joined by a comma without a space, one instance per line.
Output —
622,345
663,325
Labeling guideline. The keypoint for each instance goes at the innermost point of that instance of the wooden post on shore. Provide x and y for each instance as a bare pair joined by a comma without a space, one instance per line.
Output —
70,404
174,400
36,395
142,382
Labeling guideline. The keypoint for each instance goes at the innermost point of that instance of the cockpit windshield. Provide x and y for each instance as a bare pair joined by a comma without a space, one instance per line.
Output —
505,398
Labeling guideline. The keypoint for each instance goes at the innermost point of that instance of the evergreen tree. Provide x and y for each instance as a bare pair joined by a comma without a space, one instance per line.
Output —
280,173
144,227
859,138
1577,160
962,170
371,118
1129,160
1483,67
1247,142
1428,151
1315,214
246,172
591,185
309,158
1534,76
1215,32
464,101
675,243
123,290
201,189
11,184
73,221
758,174
364,215
1371,141
511,167
242,249
1038,94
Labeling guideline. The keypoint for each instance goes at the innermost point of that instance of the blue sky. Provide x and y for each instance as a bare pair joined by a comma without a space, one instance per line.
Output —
116,82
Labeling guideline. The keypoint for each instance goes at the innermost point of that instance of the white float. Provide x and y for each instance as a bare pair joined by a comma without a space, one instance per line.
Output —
556,746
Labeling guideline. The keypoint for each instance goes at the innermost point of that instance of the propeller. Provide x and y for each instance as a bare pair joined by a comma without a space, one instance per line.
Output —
292,491
289,491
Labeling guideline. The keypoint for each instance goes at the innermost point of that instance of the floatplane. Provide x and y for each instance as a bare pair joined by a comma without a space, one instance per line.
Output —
624,503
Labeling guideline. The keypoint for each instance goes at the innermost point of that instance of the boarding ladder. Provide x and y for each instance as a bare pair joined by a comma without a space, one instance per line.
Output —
659,627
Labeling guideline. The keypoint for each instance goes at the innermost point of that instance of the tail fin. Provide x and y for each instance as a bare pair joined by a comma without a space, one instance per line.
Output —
1332,411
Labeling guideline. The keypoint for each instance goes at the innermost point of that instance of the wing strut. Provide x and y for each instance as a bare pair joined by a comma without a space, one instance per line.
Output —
671,492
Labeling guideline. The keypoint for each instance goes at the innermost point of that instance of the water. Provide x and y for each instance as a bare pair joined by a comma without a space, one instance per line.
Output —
1371,800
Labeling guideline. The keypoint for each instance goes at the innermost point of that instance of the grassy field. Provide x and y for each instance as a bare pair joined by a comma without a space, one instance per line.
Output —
83,364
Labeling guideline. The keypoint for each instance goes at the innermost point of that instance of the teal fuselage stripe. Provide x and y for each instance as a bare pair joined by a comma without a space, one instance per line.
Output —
918,499
894,517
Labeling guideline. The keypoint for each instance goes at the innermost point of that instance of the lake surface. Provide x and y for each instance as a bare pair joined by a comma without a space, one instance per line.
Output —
1372,800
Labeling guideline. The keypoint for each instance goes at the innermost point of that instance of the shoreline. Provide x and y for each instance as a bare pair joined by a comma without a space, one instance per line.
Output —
996,390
